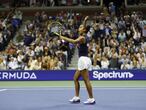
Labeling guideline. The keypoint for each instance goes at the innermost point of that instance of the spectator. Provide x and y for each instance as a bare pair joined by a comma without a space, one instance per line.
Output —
142,24
136,35
135,63
2,64
143,61
112,9
104,63
113,63
122,36
126,65
96,61
13,63
121,24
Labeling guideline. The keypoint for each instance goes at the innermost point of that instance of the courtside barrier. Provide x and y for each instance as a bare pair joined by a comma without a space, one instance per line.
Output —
61,75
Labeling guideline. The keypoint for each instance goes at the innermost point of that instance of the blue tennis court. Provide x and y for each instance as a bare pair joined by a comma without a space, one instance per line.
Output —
50,98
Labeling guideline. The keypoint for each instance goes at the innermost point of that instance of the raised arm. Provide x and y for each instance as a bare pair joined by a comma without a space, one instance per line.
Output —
74,41
85,21
80,39
133,28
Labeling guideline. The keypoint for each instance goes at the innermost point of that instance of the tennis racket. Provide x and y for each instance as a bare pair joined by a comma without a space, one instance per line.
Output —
55,28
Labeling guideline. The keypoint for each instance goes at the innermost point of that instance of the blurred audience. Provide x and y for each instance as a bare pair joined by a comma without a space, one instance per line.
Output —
48,3
119,43
115,42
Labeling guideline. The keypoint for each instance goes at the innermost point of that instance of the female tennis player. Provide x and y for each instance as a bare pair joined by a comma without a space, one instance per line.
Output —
84,64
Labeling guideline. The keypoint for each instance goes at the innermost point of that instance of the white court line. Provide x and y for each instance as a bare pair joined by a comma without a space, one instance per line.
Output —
63,88
69,87
1,90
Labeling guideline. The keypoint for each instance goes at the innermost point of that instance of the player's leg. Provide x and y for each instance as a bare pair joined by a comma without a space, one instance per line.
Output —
85,76
76,82
76,98
86,79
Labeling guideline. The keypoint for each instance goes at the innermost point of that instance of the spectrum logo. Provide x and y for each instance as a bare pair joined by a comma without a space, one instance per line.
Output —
112,75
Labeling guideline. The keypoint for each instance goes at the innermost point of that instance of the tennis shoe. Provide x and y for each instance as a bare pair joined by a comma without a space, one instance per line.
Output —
90,101
75,99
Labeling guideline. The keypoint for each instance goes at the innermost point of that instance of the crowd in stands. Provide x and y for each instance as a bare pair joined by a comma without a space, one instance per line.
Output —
52,3
119,42
115,42
39,3
136,2
38,48
9,24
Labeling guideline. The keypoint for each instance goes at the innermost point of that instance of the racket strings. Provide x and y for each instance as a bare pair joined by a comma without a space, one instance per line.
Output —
56,27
